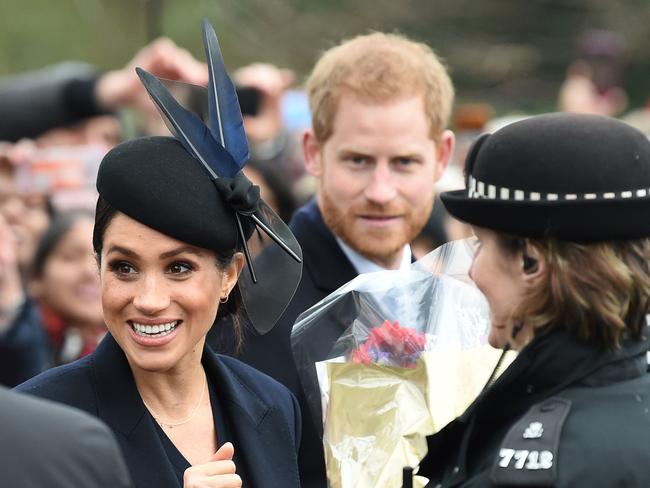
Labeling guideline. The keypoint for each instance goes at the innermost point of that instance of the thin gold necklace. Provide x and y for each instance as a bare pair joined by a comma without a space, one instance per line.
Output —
171,425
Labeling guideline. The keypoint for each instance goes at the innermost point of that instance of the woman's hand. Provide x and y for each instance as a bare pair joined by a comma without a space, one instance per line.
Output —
219,472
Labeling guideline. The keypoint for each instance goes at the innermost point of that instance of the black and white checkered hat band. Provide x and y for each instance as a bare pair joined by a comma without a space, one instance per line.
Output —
479,189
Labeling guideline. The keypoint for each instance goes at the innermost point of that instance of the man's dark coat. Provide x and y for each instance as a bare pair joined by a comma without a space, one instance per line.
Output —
47,444
265,418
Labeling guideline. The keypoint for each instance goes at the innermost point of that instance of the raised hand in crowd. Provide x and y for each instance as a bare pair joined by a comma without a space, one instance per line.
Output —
67,93
164,59
261,88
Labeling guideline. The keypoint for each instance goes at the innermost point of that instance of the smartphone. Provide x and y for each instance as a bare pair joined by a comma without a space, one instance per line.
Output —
195,98
249,100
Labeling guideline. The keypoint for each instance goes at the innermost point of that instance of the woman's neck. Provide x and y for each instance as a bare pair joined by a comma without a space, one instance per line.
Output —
172,394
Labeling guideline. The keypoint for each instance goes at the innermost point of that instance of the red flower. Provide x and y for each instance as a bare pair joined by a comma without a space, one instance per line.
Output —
391,345
361,356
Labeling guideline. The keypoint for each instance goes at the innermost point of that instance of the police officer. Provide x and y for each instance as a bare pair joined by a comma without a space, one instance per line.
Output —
559,204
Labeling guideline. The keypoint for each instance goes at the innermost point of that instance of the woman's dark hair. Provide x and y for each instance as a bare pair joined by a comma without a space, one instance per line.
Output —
53,235
104,214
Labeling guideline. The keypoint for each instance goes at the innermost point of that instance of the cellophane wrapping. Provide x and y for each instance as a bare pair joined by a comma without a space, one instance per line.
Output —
390,358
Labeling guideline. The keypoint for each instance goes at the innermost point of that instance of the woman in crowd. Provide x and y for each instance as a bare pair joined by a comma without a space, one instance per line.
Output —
65,284
59,318
169,241
559,204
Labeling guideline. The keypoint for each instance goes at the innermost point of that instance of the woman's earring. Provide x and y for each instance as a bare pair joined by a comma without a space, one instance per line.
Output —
223,299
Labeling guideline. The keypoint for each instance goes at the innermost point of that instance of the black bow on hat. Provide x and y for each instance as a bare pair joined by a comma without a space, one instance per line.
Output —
581,178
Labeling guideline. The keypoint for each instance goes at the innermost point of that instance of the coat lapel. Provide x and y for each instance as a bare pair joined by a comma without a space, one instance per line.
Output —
120,406
256,427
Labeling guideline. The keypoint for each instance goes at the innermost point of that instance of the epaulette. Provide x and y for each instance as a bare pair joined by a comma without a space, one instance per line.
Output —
529,451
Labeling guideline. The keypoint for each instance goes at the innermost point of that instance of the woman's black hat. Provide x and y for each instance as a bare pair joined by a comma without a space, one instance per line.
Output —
154,180
574,177
191,187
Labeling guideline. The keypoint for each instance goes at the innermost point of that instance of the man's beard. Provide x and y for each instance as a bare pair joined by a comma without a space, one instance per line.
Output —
379,245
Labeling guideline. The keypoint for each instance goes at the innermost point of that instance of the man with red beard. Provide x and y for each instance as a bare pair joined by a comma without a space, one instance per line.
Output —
380,104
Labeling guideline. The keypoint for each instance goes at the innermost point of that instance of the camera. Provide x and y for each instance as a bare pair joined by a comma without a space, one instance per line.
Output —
249,100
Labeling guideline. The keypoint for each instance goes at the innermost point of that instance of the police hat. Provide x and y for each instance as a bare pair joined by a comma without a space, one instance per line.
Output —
581,178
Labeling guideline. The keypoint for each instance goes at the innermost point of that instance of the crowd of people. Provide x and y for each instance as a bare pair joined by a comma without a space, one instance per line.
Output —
139,270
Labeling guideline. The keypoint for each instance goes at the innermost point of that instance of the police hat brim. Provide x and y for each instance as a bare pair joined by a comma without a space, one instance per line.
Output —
576,221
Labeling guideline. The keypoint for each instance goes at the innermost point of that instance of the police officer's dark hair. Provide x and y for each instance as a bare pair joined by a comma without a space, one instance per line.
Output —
104,214
599,292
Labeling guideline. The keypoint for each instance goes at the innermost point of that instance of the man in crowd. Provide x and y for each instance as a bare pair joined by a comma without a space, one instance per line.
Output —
46,444
380,104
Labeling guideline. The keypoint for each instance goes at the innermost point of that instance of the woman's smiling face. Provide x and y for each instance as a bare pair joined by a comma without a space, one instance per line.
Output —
159,295
67,283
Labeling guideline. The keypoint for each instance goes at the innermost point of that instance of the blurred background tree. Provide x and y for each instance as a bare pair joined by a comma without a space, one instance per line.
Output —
511,53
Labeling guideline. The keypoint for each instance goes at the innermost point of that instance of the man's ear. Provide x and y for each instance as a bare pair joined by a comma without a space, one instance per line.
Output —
444,150
311,150
534,266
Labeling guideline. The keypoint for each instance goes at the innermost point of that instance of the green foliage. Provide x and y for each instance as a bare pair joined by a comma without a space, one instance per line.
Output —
511,53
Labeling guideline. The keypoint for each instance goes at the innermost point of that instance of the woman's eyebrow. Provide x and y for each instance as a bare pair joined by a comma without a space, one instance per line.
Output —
167,254
164,255
122,250
180,250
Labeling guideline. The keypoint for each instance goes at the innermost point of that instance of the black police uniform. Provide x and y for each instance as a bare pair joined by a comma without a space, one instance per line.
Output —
562,414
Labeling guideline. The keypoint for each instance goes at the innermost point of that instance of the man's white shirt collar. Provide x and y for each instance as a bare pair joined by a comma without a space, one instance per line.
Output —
363,265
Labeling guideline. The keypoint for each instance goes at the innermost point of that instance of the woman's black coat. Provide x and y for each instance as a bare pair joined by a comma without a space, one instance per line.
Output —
562,414
265,417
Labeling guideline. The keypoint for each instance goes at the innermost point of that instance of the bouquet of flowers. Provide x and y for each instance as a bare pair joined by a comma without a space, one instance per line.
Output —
391,345
390,358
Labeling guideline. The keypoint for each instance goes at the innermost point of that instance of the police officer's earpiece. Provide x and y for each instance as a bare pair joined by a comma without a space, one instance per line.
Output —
530,264
517,328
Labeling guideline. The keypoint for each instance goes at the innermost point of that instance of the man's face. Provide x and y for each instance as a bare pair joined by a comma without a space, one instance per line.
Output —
376,174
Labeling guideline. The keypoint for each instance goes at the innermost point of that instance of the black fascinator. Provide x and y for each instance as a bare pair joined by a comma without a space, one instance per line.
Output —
192,188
